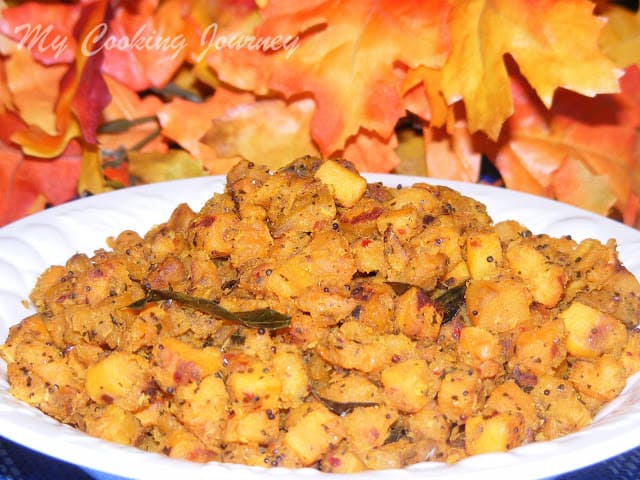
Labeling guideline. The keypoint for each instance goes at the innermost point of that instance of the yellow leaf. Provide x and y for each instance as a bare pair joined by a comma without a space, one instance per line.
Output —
426,82
150,167
410,150
267,132
91,179
536,35
620,38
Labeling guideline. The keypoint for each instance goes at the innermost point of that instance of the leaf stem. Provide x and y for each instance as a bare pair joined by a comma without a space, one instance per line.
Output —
120,125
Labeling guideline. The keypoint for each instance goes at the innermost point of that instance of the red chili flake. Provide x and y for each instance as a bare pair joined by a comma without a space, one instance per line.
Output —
456,332
334,461
366,216
248,397
366,242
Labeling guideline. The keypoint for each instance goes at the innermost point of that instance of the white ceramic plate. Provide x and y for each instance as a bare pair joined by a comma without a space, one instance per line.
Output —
28,246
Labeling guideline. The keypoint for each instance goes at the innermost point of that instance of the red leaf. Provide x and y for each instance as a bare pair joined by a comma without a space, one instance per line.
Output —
145,50
91,94
44,29
24,180
83,94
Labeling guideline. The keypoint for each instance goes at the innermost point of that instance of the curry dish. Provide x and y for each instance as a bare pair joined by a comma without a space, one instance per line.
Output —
306,318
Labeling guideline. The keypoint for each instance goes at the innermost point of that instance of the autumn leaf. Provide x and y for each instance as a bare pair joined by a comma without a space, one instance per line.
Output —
535,34
28,84
44,30
340,61
27,183
152,46
579,151
423,96
186,122
371,153
620,38
150,167
451,154
83,95
266,132
91,179
126,104
574,183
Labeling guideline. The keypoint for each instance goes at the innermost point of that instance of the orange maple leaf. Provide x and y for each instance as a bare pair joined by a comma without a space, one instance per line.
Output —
145,49
83,94
535,34
350,57
28,84
580,151
27,183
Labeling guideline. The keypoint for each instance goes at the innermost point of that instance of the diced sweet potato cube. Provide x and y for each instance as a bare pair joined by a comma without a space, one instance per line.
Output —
545,280
346,185
459,394
590,333
601,379
368,427
559,407
115,424
498,305
214,233
405,222
540,350
510,398
481,349
416,315
257,386
484,254
313,434
409,385
630,356
498,433
202,408
248,425
122,379
179,363
291,370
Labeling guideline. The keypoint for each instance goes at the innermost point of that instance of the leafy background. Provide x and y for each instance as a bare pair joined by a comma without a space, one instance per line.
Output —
545,94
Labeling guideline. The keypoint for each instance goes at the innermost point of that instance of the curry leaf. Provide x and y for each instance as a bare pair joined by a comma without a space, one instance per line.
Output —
260,318
341,408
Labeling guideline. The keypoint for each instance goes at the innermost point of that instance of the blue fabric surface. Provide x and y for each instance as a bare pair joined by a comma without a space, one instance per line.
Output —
19,463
